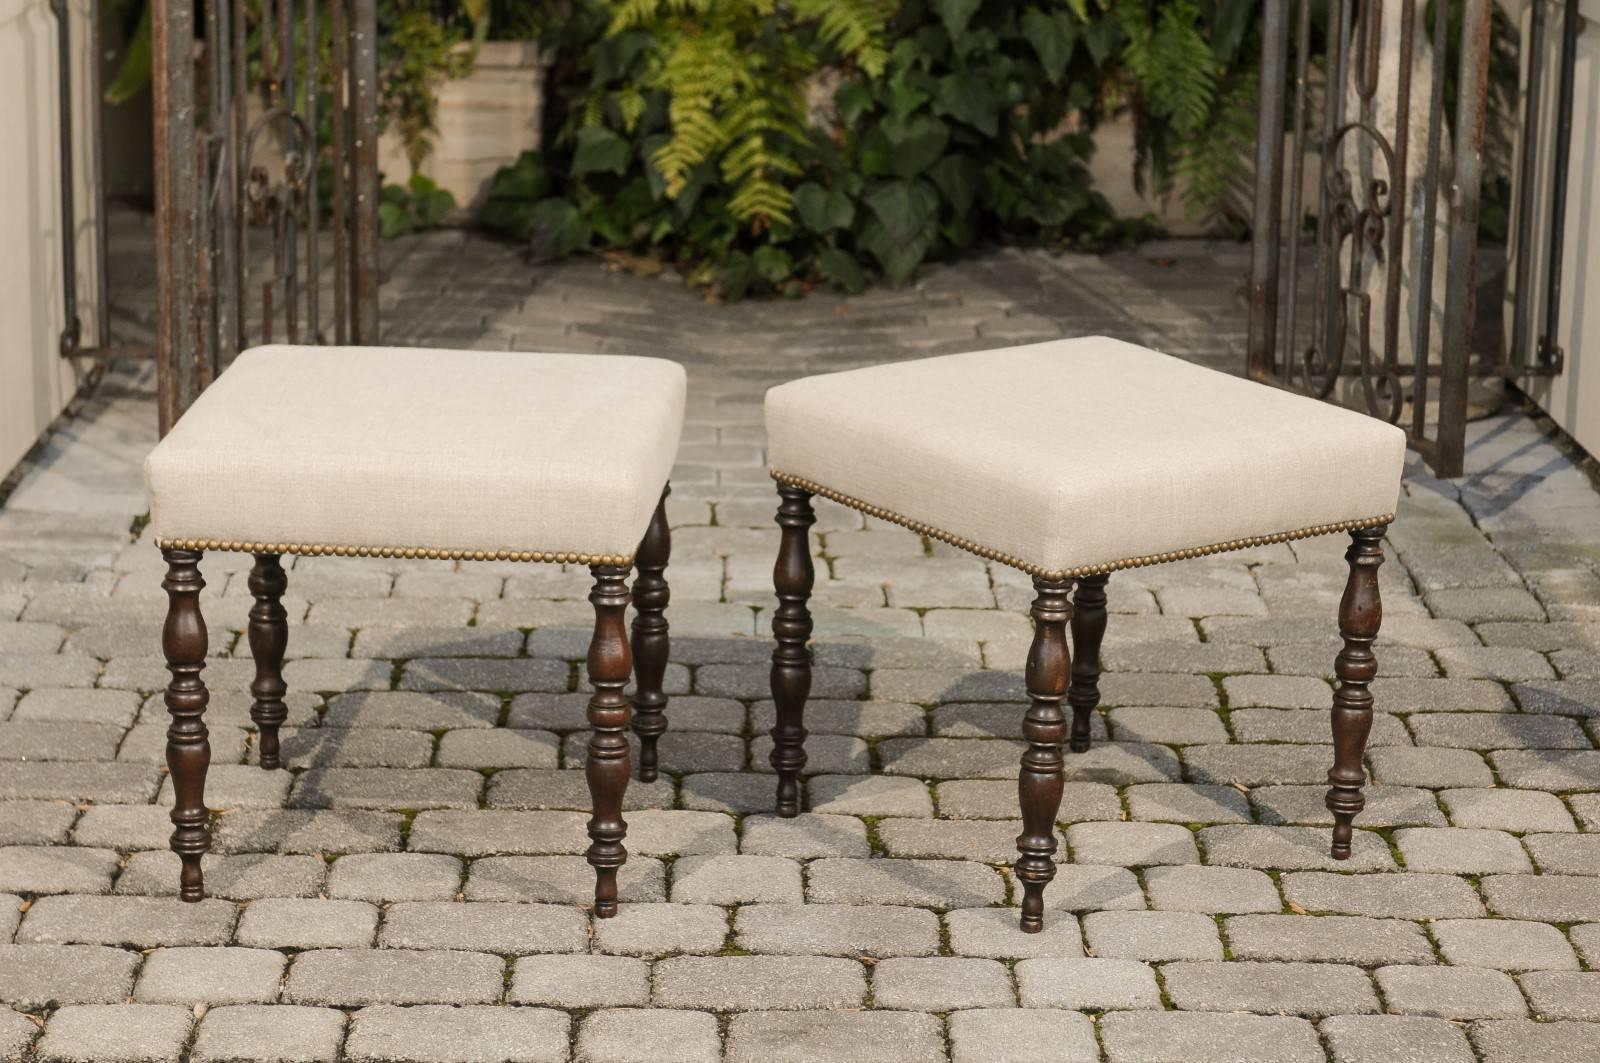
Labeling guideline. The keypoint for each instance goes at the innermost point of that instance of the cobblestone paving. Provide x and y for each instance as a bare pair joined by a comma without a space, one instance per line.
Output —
411,889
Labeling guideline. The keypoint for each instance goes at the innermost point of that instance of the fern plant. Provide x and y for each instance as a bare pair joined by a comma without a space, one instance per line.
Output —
1189,70
734,73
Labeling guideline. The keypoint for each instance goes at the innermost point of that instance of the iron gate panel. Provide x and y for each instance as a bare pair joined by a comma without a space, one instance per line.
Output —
246,249
1343,340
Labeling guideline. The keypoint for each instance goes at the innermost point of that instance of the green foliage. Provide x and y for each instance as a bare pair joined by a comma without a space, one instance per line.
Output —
706,134
1189,71
734,75
418,204
418,52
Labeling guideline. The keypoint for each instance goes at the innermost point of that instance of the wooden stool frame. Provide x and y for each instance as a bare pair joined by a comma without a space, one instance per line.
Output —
612,660
1053,676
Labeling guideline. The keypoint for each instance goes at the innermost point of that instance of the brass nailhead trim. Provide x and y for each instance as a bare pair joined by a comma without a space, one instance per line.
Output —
432,553
1087,570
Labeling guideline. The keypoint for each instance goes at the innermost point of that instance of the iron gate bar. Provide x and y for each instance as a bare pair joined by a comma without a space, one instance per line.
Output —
228,176
70,343
1471,113
1357,316
1549,352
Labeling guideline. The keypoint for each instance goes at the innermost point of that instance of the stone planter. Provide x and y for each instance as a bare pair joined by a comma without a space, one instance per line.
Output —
486,120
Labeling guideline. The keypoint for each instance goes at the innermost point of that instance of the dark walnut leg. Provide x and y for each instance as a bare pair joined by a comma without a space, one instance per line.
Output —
610,664
792,578
183,641
650,639
1044,727
1088,630
1360,614
269,639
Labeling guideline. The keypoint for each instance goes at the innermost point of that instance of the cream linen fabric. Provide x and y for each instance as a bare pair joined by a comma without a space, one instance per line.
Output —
1082,452
393,446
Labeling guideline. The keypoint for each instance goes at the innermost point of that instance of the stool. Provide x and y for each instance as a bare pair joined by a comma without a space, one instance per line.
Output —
1071,460
395,452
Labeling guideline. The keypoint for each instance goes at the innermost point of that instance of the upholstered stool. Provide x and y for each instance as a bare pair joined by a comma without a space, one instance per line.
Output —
1070,460
394,452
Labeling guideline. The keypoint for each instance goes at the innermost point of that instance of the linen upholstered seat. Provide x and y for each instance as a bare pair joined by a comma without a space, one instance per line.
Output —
1071,460
1082,455
399,450
456,455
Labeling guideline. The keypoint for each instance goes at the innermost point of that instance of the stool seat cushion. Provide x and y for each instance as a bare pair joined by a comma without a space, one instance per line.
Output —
401,448
1082,455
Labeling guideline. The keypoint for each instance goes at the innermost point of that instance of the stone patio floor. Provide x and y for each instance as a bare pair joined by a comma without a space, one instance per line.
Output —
411,889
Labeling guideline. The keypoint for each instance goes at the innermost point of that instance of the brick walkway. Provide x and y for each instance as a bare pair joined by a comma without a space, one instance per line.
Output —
410,890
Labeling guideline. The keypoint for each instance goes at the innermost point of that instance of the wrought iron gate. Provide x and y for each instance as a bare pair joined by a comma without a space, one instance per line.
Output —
1346,334
247,250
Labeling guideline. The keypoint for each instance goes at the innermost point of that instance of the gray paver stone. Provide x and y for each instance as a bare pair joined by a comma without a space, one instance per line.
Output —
580,981
1504,944
863,795
835,1036
1131,844
1332,939
1087,984
1087,887
1187,803
1514,1040
35,822
1386,1038
837,930
1546,898
1429,766
307,923
1290,849
1514,810
440,1034
496,832
1212,890
930,883
308,831
804,837
560,879
196,975
1565,854
941,983
736,880
739,983
1010,1036
40,869
660,929
1455,850
994,933
353,977
638,1035
1399,896
1563,994
1152,936
123,1033
1451,992
1311,989
36,976
17,1033
1189,1037
138,921
508,929
395,877
257,1033
247,877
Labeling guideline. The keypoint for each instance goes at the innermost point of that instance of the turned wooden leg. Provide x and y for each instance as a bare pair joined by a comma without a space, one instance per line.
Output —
269,638
1360,614
610,663
1044,727
792,578
1088,629
650,639
183,641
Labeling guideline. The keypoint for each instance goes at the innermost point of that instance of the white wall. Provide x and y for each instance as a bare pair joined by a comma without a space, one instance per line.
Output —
35,381
1573,398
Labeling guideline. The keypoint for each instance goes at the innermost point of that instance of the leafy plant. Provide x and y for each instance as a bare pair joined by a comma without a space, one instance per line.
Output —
418,204
417,53
967,124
